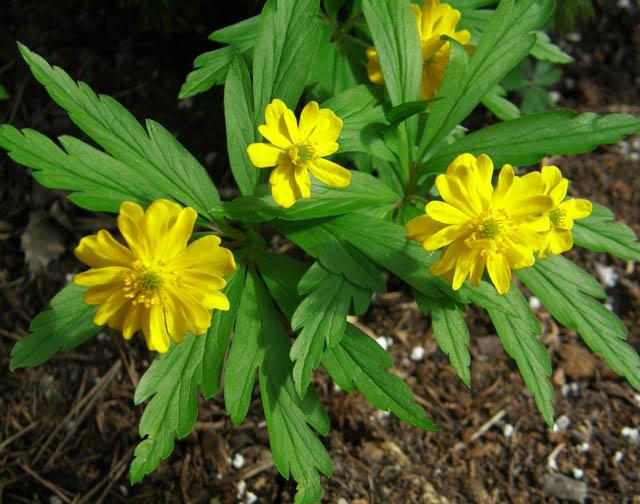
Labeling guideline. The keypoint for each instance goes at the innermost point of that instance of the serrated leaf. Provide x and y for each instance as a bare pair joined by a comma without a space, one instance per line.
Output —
505,41
494,100
544,49
241,130
282,273
601,232
244,355
363,121
172,380
287,38
530,355
526,140
322,315
154,155
211,68
66,324
402,112
363,191
358,360
450,331
397,42
561,291
296,450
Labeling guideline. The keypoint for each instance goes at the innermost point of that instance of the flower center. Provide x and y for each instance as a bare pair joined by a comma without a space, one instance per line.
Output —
556,216
301,154
142,285
490,228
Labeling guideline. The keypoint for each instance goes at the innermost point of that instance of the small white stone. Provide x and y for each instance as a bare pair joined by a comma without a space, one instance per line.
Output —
574,37
578,473
507,430
385,341
607,275
187,103
634,156
238,461
565,389
624,4
342,500
575,387
583,447
102,336
562,423
552,464
555,96
417,353
632,434
636,398
54,499
68,277
242,488
617,457
534,303
250,498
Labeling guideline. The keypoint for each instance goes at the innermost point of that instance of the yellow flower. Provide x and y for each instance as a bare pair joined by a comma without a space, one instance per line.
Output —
481,226
434,20
297,149
559,238
157,284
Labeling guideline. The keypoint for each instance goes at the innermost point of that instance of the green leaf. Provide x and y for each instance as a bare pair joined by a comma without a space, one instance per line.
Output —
241,130
363,191
4,94
244,355
211,68
506,40
395,36
526,140
282,273
322,316
334,253
66,324
546,50
172,380
99,181
296,450
402,112
600,232
562,292
153,155
494,100
287,39
358,360
535,100
520,343
450,331
363,121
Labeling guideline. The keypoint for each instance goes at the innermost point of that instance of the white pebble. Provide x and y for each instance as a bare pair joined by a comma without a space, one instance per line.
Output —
507,430
634,156
242,488
534,303
632,434
102,336
250,498
607,275
238,461
636,398
417,353
575,388
552,464
624,4
565,389
555,96
578,473
385,342
562,423
574,37
583,447
617,457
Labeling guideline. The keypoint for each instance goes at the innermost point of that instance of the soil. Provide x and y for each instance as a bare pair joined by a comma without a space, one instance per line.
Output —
69,426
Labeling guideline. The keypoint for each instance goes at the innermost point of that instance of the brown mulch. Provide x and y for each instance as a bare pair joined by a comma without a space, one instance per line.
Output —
68,427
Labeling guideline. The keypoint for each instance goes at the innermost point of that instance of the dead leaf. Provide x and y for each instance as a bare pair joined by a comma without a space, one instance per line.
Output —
42,241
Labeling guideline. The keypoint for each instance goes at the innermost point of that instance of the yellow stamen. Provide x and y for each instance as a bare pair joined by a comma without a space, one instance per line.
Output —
556,216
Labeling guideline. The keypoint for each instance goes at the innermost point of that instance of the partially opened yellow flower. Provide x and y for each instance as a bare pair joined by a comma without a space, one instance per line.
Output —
158,283
559,238
297,149
433,20
481,227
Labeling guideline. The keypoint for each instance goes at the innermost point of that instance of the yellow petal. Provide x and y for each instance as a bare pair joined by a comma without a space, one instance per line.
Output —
283,171
467,260
499,272
175,318
374,71
178,234
445,236
204,254
275,129
129,224
101,276
309,119
327,130
421,227
102,250
560,240
132,321
108,311
451,192
286,192
100,293
446,213
551,177
330,173
264,155
291,125
577,208
324,149
155,330
448,258
302,180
